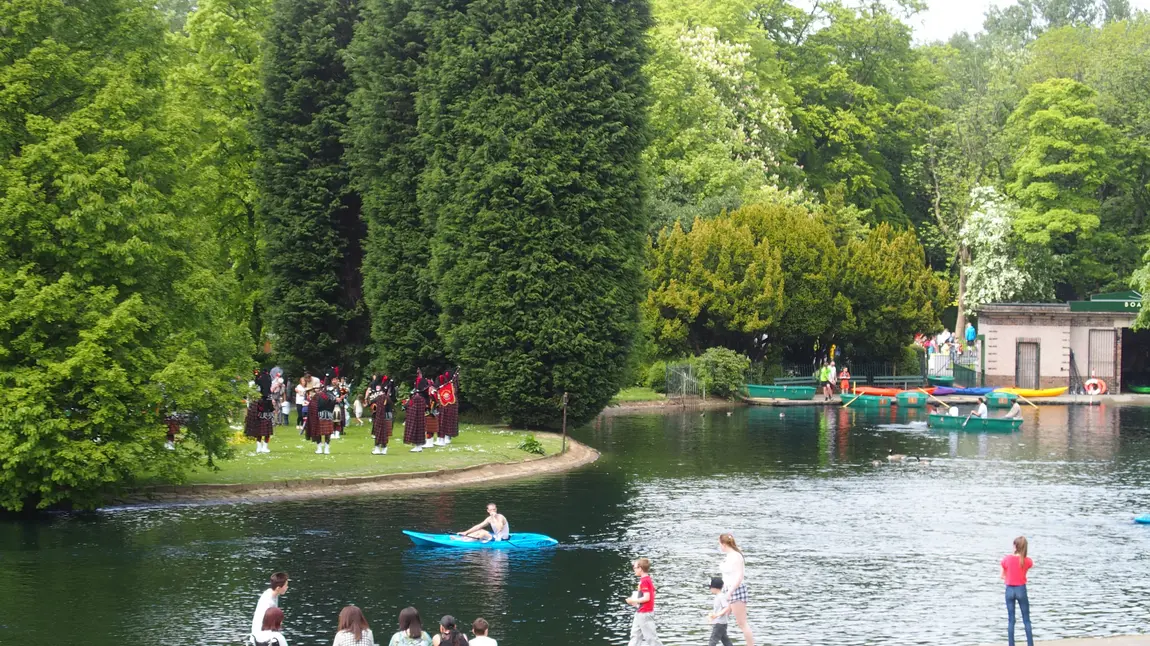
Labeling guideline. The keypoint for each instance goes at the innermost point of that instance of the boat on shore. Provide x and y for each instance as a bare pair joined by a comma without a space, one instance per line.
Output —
975,423
795,393
1031,393
868,400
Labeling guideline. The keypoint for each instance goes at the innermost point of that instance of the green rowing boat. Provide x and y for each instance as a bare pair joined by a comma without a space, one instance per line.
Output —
975,423
911,399
1141,390
756,391
867,400
939,380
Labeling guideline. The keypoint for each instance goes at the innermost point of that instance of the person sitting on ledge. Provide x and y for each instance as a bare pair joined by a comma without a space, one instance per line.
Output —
500,530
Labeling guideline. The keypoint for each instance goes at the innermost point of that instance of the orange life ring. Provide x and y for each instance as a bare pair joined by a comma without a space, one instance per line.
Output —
1095,387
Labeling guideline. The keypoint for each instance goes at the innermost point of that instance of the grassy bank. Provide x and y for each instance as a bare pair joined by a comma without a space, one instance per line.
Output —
293,458
638,394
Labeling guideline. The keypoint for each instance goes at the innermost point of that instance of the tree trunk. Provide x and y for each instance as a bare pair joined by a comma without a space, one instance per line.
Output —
960,322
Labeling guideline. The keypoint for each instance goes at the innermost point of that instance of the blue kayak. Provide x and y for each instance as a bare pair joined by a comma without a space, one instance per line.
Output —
517,541
973,391
1143,519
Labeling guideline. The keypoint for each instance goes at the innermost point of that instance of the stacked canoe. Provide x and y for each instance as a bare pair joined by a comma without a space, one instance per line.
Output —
797,393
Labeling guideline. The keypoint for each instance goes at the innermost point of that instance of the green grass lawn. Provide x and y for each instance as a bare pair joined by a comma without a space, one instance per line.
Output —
293,458
638,394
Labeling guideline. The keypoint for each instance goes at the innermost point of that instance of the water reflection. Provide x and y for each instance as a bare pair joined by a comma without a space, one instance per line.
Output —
839,550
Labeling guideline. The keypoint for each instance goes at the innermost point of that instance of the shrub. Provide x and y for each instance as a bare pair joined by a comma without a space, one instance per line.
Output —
532,445
722,370
656,377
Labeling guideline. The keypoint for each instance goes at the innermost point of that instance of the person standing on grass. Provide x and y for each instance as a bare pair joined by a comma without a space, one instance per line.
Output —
301,402
643,625
353,629
1014,569
735,584
277,585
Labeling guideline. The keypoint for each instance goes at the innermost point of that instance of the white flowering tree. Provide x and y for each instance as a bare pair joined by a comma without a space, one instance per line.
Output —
718,128
1002,268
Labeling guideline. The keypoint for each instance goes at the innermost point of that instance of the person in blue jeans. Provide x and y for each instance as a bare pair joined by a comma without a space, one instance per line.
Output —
1014,569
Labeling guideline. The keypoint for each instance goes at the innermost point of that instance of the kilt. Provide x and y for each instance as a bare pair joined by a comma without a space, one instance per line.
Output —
267,424
312,415
449,420
252,424
324,427
173,427
432,426
381,427
414,424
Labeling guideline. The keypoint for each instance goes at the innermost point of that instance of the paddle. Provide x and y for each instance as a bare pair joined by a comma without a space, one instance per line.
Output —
967,418
932,397
1026,400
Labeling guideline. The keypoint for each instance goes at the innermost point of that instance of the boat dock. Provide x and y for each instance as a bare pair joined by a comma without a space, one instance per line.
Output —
967,400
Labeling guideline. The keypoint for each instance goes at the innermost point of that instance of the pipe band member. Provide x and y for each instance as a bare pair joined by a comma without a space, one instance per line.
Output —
259,422
415,424
383,412
325,403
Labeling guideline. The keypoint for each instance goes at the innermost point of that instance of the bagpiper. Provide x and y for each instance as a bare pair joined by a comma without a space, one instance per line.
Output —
448,395
429,394
325,402
414,424
381,397
259,422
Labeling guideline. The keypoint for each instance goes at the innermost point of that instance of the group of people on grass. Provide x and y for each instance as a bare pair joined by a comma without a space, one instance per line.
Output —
325,408
353,629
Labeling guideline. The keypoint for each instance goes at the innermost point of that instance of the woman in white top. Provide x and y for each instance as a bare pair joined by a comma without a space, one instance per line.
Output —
272,625
353,630
733,568
300,400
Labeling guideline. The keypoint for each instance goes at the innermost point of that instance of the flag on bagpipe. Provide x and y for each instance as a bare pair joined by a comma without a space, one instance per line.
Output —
446,394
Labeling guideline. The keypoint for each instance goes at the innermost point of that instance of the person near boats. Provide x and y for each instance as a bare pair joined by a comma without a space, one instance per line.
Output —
1015,411
981,411
1014,569
353,629
496,522
410,630
824,376
733,568
845,380
271,631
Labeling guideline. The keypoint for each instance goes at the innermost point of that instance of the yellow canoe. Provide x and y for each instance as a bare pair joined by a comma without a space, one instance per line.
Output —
1033,392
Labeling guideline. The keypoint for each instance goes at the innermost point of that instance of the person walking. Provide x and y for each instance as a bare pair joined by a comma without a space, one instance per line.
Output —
643,625
410,630
733,568
353,629
719,611
1014,569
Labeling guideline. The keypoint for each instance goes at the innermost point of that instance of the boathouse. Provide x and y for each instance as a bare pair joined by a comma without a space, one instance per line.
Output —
1049,345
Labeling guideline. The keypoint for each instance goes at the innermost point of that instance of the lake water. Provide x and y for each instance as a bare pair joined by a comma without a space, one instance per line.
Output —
839,551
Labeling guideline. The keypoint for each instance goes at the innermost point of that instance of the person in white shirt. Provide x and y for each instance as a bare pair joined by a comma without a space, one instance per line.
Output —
479,627
981,412
270,633
953,411
269,599
1015,410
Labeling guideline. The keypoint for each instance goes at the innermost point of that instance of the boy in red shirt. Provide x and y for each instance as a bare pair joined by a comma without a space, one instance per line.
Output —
643,626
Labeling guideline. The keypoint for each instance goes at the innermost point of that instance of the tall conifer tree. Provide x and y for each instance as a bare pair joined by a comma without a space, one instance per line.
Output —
386,159
535,118
314,232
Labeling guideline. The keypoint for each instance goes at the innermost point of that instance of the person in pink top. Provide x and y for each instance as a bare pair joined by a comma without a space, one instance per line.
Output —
1014,569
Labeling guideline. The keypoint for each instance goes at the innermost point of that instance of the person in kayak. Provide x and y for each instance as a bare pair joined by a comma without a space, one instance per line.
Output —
500,530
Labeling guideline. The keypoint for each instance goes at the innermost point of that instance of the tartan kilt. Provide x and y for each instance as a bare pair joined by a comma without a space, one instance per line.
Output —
310,425
449,420
432,425
380,427
252,425
267,425
414,424
324,428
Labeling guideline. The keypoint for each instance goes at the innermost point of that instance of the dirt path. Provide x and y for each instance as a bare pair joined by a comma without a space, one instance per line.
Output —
577,455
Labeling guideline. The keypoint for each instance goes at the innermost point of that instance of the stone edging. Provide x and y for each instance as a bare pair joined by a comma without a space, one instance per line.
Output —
577,455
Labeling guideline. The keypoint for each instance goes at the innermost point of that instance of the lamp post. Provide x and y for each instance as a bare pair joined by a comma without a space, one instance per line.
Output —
564,449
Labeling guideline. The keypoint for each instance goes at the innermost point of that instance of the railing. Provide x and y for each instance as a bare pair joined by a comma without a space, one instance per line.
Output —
862,372
682,382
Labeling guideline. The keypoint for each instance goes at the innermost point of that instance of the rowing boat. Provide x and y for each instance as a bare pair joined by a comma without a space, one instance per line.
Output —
797,393
911,399
1000,400
1141,390
516,541
868,400
975,423
1031,393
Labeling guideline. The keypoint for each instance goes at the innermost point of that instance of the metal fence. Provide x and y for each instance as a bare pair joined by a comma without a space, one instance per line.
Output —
683,382
862,372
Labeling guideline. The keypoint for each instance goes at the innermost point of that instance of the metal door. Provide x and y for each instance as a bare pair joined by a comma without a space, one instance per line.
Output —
1026,364
1100,361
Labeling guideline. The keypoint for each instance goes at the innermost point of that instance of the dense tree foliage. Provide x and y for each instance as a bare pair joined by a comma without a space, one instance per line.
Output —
314,233
112,294
387,159
534,193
